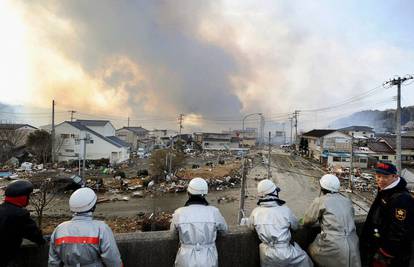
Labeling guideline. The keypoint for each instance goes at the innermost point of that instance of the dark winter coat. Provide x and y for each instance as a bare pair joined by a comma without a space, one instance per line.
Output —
390,224
15,224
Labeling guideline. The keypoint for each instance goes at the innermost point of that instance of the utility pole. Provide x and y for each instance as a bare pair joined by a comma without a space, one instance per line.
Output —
351,168
171,157
180,121
128,121
291,126
262,125
295,115
85,140
53,132
268,158
72,112
242,190
398,81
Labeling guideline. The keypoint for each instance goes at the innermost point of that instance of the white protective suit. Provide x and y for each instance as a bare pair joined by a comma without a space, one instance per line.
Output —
197,226
83,242
273,224
337,244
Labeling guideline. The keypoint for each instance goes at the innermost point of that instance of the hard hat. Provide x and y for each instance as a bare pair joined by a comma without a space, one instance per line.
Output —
82,200
330,182
19,188
266,187
197,186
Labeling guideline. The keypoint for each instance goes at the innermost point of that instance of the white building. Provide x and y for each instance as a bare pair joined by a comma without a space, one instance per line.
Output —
359,132
216,141
326,140
102,127
134,136
71,137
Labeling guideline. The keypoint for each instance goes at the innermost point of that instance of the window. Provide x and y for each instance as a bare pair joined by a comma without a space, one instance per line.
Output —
72,136
91,141
337,159
65,136
363,160
69,150
384,157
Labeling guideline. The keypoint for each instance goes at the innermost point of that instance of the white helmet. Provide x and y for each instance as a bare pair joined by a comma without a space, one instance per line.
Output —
197,186
82,200
330,182
266,187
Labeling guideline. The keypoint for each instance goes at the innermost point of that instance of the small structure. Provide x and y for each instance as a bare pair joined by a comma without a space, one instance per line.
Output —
321,142
134,136
381,151
407,147
213,141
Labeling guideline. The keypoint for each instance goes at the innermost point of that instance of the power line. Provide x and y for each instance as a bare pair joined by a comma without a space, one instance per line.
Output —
355,98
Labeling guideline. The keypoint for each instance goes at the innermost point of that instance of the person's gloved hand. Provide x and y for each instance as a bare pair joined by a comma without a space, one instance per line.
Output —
381,259
244,221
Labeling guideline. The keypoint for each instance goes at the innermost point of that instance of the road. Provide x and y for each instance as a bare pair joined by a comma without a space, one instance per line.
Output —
292,175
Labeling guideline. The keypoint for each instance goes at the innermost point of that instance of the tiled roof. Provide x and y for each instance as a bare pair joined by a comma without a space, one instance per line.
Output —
357,128
319,133
407,142
137,130
119,141
93,122
14,126
380,147
82,127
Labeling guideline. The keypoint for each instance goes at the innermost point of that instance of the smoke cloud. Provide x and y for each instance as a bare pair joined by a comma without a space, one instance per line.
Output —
151,60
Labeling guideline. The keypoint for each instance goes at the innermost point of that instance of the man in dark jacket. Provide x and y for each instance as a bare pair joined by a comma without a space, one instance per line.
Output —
15,221
388,231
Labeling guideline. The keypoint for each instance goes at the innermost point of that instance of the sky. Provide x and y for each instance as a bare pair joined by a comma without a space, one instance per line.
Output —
213,61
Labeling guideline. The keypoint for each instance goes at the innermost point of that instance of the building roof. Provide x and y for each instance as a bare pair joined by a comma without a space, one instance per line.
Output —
82,127
14,126
137,130
357,129
119,141
380,147
216,136
319,133
407,142
93,122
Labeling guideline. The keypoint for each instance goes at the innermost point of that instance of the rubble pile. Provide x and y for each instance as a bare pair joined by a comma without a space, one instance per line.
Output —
362,182
210,172
117,224
156,222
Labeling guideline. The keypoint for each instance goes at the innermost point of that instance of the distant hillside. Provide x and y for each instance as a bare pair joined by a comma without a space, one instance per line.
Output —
381,121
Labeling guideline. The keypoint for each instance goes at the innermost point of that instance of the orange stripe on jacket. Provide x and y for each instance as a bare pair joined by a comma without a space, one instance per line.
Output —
77,240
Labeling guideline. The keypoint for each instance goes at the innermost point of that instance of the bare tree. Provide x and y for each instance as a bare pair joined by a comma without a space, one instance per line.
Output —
40,142
59,140
42,198
161,160
10,138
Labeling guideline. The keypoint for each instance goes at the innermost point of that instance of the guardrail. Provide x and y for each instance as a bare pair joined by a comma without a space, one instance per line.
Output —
239,247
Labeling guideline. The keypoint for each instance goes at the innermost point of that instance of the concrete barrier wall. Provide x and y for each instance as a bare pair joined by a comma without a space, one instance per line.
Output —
239,247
